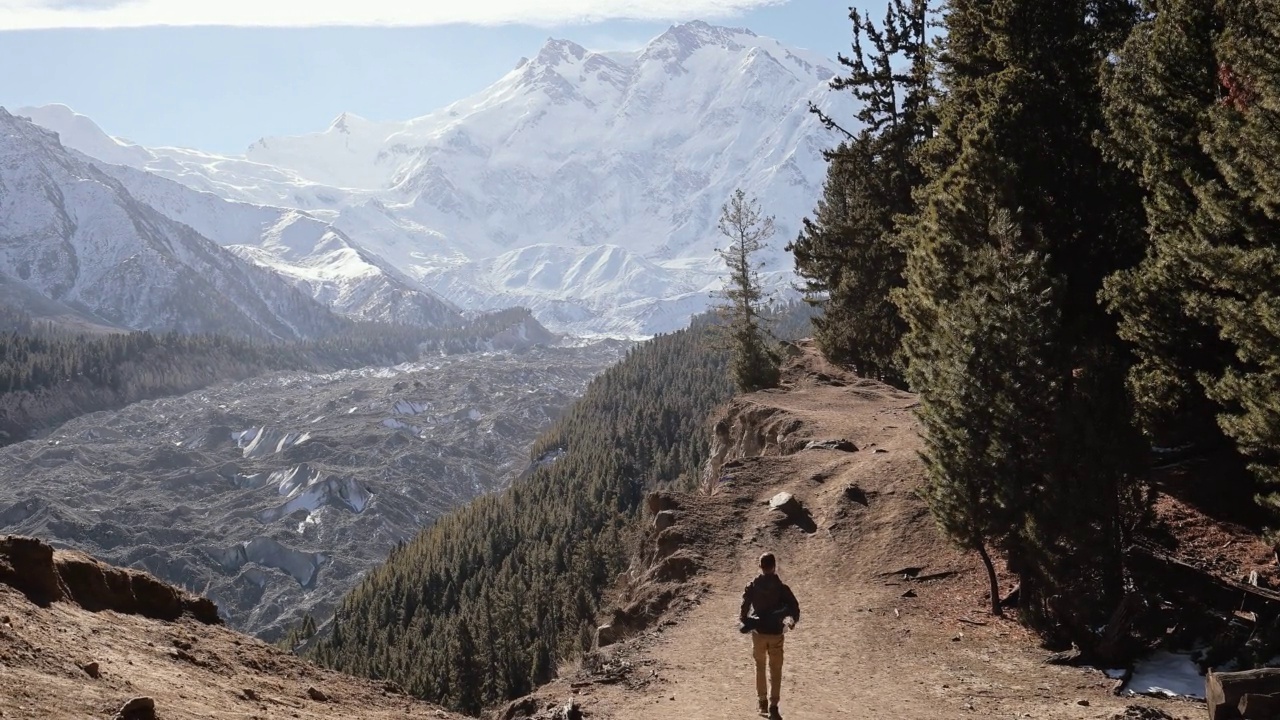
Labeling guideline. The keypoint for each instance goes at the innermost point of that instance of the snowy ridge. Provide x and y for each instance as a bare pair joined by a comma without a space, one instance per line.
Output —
71,234
584,184
300,246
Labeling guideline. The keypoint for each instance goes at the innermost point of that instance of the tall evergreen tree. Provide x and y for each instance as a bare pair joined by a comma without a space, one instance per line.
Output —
1159,94
1016,136
848,253
991,396
1243,208
1192,103
747,228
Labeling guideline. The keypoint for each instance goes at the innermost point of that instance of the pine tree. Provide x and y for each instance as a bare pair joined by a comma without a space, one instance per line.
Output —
1243,210
755,361
1192,106
992,394
1016,135
848,253
1159,94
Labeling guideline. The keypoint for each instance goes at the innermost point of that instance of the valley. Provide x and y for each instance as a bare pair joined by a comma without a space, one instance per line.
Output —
272,496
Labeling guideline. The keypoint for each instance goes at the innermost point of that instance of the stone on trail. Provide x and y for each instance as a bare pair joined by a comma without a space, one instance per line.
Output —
93,670
317,695
786,502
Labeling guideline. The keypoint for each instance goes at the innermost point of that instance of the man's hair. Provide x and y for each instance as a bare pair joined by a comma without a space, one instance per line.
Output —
768,562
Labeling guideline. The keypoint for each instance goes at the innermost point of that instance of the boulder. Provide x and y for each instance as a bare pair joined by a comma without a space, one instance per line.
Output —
317,695
664,520
525,707
607,635
659,501
786,503
93,670
139,708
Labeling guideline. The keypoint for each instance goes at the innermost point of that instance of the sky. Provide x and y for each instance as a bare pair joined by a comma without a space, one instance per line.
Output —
220,74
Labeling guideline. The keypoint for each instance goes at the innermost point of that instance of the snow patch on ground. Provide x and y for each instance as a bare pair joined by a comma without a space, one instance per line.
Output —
1167,673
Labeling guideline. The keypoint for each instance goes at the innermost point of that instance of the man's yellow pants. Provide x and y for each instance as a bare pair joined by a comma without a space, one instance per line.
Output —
768,647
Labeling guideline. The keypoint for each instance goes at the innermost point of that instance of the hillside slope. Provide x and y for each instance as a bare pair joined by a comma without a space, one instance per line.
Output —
79,639
892,617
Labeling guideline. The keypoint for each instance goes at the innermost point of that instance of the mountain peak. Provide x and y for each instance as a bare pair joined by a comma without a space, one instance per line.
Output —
556,51
681,41
697,33
343,122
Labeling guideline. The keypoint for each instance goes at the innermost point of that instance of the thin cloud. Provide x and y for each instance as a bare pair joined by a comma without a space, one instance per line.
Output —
47,14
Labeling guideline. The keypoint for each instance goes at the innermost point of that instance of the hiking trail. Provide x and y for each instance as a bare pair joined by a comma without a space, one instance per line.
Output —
894,620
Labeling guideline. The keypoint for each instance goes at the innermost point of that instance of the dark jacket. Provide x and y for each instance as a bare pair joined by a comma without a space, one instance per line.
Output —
769,600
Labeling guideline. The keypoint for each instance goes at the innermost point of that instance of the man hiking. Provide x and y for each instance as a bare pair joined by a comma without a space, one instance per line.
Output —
766,603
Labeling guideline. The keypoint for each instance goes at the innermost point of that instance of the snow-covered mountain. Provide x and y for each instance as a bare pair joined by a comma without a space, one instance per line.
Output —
75,243
586,185
299,245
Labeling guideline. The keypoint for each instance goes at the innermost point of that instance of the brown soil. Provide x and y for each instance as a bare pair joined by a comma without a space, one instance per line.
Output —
61,612
873,642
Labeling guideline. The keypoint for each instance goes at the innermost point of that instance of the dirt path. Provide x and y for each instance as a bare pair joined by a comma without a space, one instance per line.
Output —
862,649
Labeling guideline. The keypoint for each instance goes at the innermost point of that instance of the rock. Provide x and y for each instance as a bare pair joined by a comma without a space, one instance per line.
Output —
856,494
786,502
607,635
572,711
1069,658
249,694
664,520
523,708
1082,703
839,445
92,669
659,501
669,541
317,695
139,708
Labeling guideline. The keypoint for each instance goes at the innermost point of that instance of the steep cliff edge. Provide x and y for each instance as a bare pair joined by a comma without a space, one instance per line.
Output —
892,622
82,639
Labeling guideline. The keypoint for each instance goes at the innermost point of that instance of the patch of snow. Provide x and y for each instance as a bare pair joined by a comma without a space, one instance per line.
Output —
405,407
1167,673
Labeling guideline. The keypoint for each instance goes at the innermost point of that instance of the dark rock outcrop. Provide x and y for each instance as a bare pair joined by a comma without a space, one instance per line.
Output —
47,576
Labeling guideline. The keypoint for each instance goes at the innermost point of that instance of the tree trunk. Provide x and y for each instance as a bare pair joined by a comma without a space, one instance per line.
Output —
991,577
1224,691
